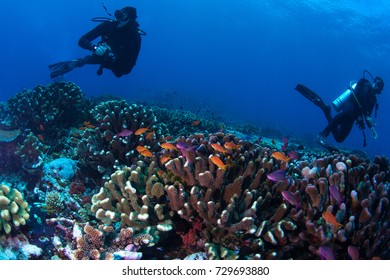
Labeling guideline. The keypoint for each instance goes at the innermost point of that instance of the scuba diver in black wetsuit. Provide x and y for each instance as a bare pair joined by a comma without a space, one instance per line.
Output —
355,104
118,49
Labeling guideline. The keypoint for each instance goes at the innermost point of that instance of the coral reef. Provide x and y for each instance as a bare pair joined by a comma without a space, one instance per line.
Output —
128,181
18,248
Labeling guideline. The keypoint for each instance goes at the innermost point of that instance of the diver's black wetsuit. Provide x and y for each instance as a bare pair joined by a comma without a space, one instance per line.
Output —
125,44
341,124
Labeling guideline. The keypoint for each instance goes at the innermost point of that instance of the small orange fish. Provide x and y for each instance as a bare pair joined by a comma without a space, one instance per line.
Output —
150,135
41,127
168,146
218,162
160,173
164,159
144,151
40,137
231,146
167,137
141,148
195,123
90,126
218,148
82,128
329,218
86,123
280,156
141,130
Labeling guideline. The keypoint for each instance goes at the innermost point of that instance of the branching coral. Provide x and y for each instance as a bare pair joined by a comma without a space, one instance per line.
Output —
57,104
31,154
131,198
14,210
105,149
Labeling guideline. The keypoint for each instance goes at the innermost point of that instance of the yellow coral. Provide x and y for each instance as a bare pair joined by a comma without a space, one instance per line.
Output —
13,209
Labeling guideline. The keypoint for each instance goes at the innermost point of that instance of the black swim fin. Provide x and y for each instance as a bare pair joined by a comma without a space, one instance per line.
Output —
322,141
314,98
61,68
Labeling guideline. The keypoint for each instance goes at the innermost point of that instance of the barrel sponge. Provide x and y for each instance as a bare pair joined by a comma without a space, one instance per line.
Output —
14,209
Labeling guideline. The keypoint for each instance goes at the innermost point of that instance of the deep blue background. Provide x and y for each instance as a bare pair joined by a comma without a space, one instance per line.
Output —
240,59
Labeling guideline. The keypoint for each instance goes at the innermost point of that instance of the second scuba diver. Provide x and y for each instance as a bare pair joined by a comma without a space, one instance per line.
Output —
355,104
117,50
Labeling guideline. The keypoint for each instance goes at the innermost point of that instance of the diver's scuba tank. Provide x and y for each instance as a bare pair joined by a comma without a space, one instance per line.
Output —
339,102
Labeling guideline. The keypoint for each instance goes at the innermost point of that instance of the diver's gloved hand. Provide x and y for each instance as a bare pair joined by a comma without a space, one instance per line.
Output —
370,122
374,134
101,49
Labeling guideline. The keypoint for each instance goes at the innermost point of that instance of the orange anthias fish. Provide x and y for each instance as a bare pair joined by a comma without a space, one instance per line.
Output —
164,159
141,130
218,162
88,124
168,146
218,148
280,156
231,146
195,123
40,137
329,218
144,151
150,135
141,148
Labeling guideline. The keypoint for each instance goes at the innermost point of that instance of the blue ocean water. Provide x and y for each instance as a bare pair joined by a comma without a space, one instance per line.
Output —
239,59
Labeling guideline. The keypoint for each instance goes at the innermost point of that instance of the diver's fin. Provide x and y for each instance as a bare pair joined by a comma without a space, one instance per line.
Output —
61,68
332,149
314,98
309,94
322,141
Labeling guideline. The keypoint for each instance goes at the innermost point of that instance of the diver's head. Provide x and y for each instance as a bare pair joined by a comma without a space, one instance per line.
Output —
126,14
378,85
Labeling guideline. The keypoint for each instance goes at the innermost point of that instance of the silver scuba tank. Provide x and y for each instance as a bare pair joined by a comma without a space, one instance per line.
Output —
339,102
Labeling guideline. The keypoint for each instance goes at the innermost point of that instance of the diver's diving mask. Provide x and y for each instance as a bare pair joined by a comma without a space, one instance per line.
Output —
378,84
121,15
